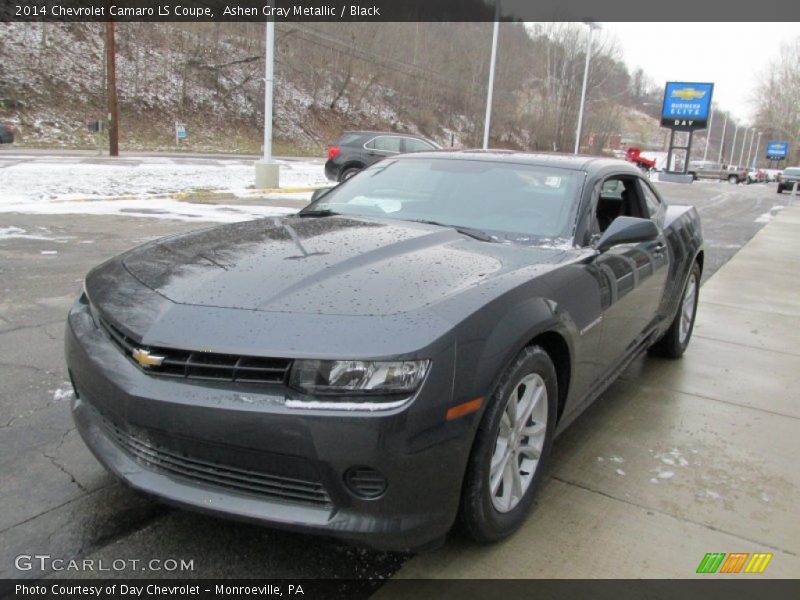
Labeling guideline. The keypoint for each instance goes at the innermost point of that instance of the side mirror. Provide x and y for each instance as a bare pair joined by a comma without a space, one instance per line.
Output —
627,230
320,192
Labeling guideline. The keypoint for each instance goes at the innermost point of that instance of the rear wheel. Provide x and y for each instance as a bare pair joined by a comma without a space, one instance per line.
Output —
348,173
675,341
511,448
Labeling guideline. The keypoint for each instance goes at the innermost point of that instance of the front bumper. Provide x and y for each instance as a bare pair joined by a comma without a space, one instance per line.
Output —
240,452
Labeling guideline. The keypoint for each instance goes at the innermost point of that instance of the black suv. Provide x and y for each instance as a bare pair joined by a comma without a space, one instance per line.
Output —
356,150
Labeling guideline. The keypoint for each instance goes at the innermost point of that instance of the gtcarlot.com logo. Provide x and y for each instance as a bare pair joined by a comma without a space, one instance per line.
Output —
28,562
735,562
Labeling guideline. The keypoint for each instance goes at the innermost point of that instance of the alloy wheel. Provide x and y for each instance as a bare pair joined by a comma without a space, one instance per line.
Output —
687,309
520,440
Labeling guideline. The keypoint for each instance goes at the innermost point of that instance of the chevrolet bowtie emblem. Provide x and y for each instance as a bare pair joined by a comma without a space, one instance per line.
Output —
688,93
145,359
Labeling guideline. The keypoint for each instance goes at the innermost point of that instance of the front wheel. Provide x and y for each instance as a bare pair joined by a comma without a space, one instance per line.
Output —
675,341
780,190
733,179
511,448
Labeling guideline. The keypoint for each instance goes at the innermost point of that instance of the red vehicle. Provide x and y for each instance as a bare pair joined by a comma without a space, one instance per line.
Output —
634,154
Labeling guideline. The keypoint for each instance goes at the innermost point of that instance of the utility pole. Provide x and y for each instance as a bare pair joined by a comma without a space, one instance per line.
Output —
111,90
708,135
592,26
722,143
488,119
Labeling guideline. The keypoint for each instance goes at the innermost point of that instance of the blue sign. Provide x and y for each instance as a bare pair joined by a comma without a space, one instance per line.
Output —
777,150
686,105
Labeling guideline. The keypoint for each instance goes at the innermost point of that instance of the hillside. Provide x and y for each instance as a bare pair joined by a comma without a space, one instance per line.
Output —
210,77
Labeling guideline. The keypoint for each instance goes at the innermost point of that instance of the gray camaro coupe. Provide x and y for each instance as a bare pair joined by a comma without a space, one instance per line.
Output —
397,356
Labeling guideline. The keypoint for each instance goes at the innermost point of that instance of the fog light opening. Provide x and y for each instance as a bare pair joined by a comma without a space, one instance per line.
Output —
365,482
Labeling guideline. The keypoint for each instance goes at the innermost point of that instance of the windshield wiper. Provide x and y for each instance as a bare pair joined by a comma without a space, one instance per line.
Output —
473,233
320,212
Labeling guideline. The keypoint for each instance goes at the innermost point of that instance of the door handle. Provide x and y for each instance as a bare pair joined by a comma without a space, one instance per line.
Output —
659,248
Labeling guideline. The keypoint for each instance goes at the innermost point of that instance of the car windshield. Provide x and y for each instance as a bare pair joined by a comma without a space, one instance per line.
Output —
515,202
792,172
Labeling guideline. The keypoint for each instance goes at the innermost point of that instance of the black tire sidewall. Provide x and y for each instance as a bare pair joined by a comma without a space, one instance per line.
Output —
481,520
351,170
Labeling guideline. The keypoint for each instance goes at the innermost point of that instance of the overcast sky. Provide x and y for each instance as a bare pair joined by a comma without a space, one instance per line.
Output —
730,55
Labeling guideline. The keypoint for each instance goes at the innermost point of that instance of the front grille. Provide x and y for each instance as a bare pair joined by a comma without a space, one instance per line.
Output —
203,365
161,459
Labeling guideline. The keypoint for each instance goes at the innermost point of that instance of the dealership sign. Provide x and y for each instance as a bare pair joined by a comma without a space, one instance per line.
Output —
777,150
687,106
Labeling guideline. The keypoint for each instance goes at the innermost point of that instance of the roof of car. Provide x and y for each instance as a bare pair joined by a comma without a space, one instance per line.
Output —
575,162
368,132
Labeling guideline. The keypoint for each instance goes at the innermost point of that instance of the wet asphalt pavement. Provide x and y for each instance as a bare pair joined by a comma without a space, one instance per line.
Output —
57,500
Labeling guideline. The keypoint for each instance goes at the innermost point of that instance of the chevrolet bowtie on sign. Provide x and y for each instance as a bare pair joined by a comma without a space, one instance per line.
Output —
145,359
735,562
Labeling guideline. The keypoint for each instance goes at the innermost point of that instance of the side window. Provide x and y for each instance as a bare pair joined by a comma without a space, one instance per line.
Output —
414,145
385,143
650,199
619,197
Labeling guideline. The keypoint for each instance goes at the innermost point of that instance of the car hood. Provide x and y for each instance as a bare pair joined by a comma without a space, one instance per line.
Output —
328,265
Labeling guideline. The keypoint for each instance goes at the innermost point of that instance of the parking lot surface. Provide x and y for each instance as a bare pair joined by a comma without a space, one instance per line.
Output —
727,410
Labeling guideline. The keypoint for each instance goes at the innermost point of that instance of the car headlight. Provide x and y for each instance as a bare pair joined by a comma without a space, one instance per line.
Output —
355,377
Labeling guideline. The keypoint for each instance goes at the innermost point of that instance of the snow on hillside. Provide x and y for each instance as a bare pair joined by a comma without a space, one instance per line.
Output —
52,82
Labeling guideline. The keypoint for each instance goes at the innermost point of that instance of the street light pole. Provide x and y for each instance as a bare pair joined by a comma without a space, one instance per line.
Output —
267,171
592,26
488,119
733,147
708,135
741,152
755,156
269,59
750,149
722,143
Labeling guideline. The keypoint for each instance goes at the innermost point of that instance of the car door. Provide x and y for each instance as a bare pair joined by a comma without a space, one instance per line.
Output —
636,273
382,146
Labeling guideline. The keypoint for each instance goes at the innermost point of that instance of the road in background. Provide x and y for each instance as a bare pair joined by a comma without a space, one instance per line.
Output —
57,499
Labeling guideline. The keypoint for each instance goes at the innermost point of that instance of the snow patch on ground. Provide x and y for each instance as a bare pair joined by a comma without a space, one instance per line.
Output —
142,188
155,208
63,393
768,216
10,233
65,180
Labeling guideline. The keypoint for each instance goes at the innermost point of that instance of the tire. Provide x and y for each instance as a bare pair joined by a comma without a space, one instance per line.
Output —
694,176
348,173
780,190
486,516
676,339
733,179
